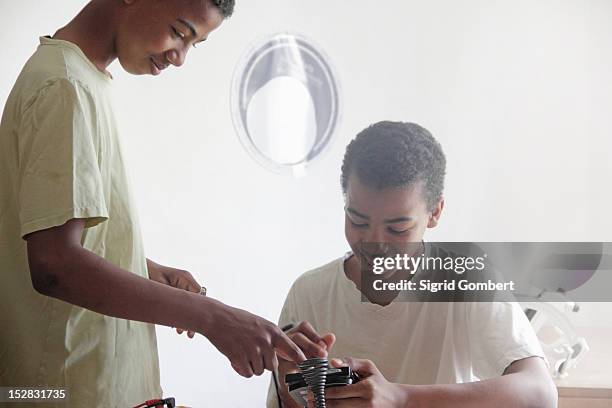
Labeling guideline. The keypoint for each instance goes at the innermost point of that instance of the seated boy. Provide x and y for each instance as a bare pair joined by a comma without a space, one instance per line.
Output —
408,354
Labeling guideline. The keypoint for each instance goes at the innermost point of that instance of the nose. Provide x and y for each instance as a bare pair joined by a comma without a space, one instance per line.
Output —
374,246
374,235
176,57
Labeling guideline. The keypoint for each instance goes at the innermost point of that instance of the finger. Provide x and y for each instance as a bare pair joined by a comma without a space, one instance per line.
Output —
286,348
309,348
194,286
347,403
243,368
188,282
256,362
341,403
183,280
329,339
364,368
309,397
337,363
358,390
270,360
309,331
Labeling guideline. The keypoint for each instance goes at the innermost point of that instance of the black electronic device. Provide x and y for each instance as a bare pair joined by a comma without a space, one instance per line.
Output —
335,377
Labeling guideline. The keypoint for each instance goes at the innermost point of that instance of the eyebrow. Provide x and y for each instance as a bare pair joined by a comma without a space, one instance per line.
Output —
358,214
390,221
398,219
190,26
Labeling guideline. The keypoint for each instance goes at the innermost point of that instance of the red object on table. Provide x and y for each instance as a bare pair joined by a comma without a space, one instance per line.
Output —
164,403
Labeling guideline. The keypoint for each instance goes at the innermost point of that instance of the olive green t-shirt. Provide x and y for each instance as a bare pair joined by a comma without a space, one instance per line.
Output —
60,158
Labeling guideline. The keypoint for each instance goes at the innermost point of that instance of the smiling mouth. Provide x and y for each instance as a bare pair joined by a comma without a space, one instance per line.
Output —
156,69
369,259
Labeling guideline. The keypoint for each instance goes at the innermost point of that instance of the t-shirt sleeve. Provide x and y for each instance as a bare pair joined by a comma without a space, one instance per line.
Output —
500,334
59,173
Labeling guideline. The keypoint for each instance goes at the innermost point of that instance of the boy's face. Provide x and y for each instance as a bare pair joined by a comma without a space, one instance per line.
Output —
391,216
153,34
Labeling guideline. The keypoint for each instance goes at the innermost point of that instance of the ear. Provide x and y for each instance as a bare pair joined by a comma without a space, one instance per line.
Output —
435,214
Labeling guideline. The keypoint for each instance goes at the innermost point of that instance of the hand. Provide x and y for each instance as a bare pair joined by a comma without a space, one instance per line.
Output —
177,278
312,344
250,342
373,390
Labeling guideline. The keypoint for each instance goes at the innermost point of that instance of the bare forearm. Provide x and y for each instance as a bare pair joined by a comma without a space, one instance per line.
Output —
517,390
90,281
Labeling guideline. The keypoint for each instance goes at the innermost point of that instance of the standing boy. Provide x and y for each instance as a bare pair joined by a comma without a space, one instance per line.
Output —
78,297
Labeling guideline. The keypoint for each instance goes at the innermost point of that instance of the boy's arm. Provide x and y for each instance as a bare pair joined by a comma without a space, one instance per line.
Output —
61,268
176,278
525,383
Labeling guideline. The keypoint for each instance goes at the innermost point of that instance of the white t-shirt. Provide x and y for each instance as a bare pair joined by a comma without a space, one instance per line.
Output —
410,342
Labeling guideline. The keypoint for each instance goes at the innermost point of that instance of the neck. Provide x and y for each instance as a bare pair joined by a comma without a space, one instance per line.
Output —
352,270
93,31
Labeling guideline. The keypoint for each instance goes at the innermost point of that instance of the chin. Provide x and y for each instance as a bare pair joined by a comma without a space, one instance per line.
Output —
131,68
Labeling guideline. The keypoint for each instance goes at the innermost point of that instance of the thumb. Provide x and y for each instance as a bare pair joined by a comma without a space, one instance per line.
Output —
365,368
338,362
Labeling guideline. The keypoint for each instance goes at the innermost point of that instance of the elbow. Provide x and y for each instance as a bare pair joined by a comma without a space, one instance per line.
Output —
44,274
52,254
44,280
45,283
536,387
548,395
552,394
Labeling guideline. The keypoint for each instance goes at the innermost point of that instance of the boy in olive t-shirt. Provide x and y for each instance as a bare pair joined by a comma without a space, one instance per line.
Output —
76,294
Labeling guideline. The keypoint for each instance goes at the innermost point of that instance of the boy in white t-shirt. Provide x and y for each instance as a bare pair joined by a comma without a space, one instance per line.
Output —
409,354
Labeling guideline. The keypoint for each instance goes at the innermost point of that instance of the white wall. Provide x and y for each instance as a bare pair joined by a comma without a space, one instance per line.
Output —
518,93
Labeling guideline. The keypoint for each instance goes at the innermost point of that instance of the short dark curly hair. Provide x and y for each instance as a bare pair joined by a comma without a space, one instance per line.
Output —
396,154
226,7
